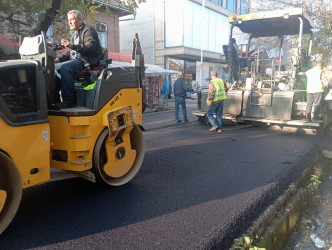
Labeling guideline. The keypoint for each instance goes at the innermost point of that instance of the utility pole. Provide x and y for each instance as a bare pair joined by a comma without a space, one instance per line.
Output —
202,40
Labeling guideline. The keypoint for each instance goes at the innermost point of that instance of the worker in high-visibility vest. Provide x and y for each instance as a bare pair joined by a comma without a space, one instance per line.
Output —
316,83
215,102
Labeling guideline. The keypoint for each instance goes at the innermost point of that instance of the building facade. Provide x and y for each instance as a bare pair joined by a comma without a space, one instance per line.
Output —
182,35
106,26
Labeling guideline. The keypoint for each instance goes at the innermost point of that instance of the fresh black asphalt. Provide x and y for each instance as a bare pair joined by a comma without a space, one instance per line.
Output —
195,190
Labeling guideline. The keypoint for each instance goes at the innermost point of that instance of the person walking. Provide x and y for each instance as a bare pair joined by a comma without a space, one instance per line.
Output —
215,102
316,83
84,47
180,88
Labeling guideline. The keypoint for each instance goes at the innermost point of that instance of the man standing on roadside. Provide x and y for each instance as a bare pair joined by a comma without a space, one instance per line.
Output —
215,102
180,89
316,83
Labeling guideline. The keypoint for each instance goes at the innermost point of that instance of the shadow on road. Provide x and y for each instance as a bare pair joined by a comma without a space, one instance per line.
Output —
203,187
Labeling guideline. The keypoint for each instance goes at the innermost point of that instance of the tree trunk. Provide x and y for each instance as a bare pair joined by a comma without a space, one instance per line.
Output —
48,19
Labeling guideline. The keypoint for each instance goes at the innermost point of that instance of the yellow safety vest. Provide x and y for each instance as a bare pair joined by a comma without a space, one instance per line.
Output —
220,92
314,80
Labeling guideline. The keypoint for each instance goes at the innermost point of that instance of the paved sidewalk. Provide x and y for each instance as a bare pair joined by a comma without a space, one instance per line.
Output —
190,103
170,104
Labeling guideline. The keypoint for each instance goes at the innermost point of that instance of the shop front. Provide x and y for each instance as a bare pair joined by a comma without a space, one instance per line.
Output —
195,76
186,66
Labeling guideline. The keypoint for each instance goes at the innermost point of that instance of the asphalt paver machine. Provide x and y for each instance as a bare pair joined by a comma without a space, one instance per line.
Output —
269,87
101,139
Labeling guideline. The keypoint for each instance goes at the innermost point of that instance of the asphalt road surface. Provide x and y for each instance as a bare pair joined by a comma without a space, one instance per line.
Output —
195,190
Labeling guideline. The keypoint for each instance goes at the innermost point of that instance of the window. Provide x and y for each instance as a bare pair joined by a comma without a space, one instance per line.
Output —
244,7
185,66
175,64
189,67
18,89
189,71
183,26
231,5
174,23
219,2
102,34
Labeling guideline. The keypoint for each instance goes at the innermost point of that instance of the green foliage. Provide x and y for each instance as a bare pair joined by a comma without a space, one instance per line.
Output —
245,243
131,4
313,186
22,18
307,234
305,224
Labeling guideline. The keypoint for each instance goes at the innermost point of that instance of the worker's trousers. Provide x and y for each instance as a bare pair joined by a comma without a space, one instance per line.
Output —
313,101
66,83
180,101
218,109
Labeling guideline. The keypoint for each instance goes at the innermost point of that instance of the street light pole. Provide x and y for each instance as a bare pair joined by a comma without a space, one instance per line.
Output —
202,40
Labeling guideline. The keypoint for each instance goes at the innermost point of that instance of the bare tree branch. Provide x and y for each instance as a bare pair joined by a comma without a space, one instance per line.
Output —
318,10
49,17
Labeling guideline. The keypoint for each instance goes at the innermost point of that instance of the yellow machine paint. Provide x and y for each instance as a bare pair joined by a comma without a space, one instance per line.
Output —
3,196
117,165
101,140
77,135
29,147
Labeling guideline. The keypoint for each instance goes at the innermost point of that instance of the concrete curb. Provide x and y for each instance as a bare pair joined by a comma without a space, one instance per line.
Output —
273,228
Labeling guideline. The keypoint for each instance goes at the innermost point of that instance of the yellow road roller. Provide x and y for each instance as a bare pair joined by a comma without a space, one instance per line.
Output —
100,139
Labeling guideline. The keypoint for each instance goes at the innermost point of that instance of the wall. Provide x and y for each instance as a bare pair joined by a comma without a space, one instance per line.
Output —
113,41
144,26
112,30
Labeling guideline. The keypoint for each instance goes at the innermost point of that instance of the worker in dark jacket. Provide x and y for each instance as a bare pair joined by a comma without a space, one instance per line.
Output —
180,88
83,48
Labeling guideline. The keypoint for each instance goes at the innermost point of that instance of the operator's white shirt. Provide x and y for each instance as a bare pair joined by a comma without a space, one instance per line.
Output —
314,80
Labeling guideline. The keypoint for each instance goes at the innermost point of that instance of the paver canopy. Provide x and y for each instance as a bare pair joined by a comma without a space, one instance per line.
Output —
273,23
